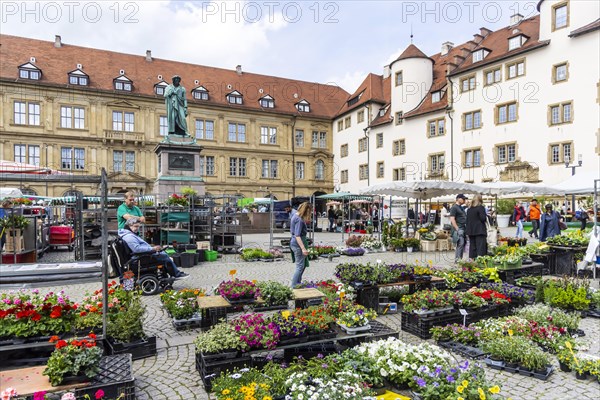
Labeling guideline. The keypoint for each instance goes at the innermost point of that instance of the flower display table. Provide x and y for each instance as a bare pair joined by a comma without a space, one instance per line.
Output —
510,275
307,297
420,325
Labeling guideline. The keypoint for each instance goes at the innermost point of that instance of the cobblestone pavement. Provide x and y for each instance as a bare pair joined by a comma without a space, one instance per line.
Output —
172,375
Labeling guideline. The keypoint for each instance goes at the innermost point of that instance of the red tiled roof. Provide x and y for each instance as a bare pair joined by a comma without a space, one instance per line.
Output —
411,51
591,27
372,89
383,119
103,66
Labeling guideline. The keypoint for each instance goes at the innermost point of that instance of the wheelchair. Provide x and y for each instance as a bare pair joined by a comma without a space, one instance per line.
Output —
150,275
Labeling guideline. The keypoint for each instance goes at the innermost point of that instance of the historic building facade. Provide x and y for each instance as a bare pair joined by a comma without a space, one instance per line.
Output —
516,104
77,109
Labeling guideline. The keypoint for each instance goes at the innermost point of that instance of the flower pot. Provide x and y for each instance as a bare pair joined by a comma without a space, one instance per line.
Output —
74,379
409,249
503,220
353,330
581,377
564,367
513,365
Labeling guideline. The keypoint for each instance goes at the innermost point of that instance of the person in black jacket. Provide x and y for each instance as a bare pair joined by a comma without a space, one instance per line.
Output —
476,228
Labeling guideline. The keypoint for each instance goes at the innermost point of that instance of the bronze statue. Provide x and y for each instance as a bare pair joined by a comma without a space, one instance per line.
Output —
176,108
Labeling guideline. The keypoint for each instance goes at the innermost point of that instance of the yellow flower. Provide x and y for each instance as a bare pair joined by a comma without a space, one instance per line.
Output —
264,385
568,345
461,398
465,383
226,391
460,389
285,314
267,398
494,389
254,281
481,394
510,332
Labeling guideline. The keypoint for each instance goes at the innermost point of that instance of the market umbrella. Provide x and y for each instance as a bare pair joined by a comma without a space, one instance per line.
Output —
421,190
580,183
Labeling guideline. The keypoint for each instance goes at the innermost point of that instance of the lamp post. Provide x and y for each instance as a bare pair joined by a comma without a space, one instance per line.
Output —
573,167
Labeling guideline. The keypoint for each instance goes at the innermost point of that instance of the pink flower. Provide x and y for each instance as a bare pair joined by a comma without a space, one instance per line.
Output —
68,396
99,394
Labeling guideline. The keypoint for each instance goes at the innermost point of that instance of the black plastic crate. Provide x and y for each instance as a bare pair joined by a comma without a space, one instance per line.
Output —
138,349
208,371
310,351
420,326
368,297
302,304
463,349
115,378
492,311
212,316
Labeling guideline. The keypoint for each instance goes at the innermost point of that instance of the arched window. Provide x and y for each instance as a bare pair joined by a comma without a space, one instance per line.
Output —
29,192
319,170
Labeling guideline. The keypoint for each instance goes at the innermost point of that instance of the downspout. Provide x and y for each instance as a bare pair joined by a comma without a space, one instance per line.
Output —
365,130
449,111
293,156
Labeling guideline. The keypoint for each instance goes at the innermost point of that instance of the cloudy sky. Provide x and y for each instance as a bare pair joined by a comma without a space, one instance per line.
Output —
329,41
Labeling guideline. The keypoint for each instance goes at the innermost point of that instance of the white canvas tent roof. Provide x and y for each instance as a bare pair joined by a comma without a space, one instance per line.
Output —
580,183
500,188
422,190
10,192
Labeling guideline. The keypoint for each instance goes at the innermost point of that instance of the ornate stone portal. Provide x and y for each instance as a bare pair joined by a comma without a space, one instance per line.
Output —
178,165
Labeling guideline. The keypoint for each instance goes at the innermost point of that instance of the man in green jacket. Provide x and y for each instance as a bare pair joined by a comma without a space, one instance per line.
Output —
129,210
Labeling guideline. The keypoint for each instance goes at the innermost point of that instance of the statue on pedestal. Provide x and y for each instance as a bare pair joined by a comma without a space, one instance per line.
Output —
176,108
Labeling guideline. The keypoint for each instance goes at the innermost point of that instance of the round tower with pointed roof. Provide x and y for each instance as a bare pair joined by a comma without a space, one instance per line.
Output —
412,76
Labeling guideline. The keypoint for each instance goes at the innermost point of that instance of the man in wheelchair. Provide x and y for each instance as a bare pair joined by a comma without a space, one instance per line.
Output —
139,247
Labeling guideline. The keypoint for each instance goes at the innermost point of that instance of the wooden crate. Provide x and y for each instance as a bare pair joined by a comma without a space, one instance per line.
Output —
428,245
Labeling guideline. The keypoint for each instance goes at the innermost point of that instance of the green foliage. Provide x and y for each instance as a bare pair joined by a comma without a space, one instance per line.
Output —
255,254
219,338
14,221
73,358
127,325
505,206
275,293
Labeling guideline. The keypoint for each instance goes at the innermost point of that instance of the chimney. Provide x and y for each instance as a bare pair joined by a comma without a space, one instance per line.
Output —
386,72
477,38
450,67
57,41
465,51
446,47
515,19
238,69
149,55
484,31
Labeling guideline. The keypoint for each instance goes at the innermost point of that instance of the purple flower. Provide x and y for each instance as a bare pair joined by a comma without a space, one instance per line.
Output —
450,379
464,366
421,382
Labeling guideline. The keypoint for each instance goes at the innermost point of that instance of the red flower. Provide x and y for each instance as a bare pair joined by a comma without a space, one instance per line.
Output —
3,314
56,312
92,335
53,339
82,314
60,344
36,317
99,394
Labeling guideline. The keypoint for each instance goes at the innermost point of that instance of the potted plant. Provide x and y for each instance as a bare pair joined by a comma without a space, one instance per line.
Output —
275,294
398,244
291,329
177,200
412,244
220,342
74,360
504,211
356,319
238,291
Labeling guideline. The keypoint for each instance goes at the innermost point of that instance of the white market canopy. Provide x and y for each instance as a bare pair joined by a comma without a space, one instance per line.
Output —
422,190
580,183
500,188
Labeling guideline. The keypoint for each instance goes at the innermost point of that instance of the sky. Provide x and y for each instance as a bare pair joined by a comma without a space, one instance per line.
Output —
336,42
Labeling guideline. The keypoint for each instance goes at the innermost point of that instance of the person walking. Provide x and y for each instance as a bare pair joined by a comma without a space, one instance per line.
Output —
582,216
128,210
331,218
549,223
458,220
375,216
518,217
534,217
476,228
299,242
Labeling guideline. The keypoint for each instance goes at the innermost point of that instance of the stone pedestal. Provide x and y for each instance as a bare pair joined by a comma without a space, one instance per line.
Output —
178,166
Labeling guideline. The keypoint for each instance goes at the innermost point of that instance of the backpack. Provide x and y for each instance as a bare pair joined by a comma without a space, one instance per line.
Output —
579,214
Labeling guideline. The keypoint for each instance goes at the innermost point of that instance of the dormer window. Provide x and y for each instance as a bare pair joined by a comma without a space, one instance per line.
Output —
267,102
303,106
79,78
235,97
436,96
30,71
480,55
123,83
354,100
516,42
200,93
159,88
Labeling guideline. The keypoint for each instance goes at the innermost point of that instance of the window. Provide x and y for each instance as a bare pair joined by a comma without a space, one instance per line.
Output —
515,42
360,116
72,117
26,113
299,138
237,166
72,158
118,161
340,125
560,73
362,145
436,164
267,102
561,113
506,153
269,169
235,97
353,100
159,88
303,106
435,96
515,69
472,158
34,155
363,172
560,152
506,113
347,122
300,170
237,132
379,140
344,150
123,83
436,127
471,120
20,155
268,135
468,83
493,76
207,165
319,170
380,169
399,118
399,174
30,71
319,140
123,121
399,147
344,176
200,93
479,55
79,78
560,16
398,78
205,129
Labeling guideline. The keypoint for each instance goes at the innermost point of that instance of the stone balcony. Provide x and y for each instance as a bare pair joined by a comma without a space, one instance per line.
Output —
111,137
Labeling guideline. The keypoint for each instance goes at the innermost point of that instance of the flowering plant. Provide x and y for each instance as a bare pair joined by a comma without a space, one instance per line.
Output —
316,318
275,293
289,326
354,251
177,200
73,358
243,384
320,250
255,332
457,333
344,385
354,241
490,296
221,337
429,300
182,304
545,315
356,316
27,313
238,289
515,293
370,243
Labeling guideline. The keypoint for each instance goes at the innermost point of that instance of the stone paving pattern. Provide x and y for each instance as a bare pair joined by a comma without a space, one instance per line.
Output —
171,374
